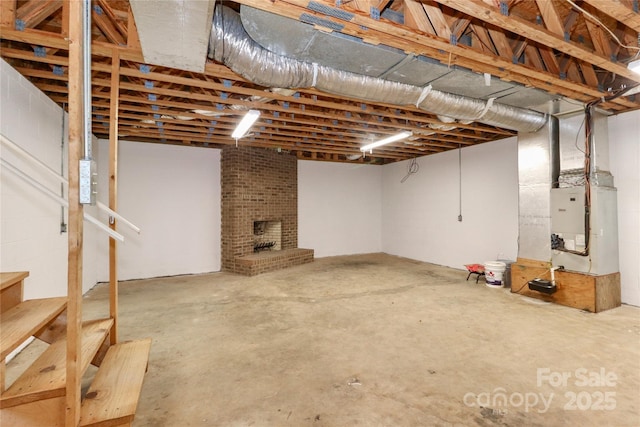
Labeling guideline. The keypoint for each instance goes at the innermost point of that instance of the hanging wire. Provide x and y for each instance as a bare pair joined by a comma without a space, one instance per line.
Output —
412,168
597,21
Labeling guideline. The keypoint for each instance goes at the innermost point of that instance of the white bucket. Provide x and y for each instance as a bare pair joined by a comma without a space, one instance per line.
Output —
493,271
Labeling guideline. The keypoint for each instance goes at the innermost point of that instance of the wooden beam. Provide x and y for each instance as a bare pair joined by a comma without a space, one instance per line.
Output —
437,19
525,29
486,44
600,39
501,43
616,9
107,27
64,30
550,60
109,12
34,12
75,226
550,17
416,17
8,13
589,74
113,192
403,38
133,39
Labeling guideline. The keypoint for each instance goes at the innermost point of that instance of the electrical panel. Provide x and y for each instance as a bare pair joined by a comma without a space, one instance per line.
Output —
88,182
567,217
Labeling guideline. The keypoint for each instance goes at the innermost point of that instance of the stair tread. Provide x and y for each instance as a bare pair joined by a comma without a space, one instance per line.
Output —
46,377
9,279
113,396
27,318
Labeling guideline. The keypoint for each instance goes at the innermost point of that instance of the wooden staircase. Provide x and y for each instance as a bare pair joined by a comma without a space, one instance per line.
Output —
37,397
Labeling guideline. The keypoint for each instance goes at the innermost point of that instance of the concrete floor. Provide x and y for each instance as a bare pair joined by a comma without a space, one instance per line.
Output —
373,340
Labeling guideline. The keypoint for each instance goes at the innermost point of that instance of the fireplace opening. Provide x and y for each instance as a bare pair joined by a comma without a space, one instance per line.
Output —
267,236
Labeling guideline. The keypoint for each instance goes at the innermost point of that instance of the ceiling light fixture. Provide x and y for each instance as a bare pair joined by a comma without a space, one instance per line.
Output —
247,121
634,66
387,140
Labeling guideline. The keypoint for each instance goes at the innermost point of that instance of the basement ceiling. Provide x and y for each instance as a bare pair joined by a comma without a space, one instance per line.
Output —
551,56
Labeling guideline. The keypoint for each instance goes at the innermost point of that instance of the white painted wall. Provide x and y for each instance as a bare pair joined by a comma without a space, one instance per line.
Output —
173,194
30,237
420,216
339,208
624,147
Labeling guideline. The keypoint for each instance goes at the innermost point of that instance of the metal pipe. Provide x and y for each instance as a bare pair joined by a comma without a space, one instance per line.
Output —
554,135
117,216
86,77
230,44
44,190
27,156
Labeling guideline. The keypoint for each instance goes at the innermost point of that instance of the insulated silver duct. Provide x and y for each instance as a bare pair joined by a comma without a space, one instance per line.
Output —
231,45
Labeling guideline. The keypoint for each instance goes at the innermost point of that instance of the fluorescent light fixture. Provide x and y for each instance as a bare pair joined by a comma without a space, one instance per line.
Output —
634,66
387,140
247,121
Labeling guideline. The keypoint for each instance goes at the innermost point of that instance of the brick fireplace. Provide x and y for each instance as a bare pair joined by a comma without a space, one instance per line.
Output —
260,205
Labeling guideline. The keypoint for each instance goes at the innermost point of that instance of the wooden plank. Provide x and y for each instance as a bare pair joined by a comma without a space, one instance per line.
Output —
64,25
109,12
12,289
114,393
616,9
113,192
8,13
107,27
45,378
486,44
9,279
578,290
550,60
464,56
468,57
550,17
27,318
75,218
599,38
589,73
437,19
133,40
54,330
41,11
49,413
501,43
524,28
416,17
608,292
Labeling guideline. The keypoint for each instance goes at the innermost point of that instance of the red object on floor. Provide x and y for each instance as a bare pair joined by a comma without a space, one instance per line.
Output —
477,269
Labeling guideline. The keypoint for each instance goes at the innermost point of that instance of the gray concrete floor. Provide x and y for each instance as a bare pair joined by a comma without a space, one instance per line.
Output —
373,340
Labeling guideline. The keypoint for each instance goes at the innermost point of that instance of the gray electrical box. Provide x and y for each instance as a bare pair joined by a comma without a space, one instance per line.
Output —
568,222
88,182
567,216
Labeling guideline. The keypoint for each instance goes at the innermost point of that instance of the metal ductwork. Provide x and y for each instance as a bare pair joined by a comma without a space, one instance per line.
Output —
231,45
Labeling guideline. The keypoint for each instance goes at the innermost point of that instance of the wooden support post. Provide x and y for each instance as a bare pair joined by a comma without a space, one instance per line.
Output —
113,192
75,230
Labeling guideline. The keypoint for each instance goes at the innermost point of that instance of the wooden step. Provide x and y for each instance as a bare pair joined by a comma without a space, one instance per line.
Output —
46,377
113,396
11,289
26,319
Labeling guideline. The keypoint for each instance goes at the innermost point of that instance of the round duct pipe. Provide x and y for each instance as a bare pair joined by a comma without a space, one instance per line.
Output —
231,45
